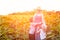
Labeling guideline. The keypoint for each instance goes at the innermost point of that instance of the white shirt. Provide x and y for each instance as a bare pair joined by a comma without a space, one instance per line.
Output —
42,34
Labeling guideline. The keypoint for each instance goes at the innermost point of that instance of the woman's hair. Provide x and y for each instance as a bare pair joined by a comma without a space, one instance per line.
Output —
38,10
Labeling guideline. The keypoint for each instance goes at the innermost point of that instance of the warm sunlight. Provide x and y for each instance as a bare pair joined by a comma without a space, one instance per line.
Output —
29,19
10,6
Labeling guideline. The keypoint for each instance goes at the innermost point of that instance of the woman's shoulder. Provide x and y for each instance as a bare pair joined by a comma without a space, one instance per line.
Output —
38,14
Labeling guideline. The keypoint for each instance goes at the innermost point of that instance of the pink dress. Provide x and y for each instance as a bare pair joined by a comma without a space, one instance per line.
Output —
38,19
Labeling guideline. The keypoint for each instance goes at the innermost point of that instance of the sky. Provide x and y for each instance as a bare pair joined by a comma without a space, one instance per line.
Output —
11,6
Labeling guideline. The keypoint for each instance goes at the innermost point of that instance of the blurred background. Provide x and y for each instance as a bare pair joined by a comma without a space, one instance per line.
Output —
15,18
10,6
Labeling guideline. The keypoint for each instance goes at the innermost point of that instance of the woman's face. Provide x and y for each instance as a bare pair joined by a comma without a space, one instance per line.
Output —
38,10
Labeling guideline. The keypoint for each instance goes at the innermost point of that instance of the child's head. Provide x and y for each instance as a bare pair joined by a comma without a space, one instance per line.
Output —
38,25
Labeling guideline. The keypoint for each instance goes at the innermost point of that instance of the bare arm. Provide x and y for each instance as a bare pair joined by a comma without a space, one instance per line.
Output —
44,26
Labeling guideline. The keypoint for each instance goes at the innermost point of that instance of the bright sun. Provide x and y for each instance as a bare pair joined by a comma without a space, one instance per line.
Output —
10,6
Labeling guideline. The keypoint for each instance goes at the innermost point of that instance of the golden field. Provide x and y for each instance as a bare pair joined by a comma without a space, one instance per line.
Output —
15,26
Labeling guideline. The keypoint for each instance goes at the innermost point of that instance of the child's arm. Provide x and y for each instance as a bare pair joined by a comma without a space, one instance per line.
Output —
31,19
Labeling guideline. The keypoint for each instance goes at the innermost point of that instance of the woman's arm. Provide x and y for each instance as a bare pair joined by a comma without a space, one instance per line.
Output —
44,26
